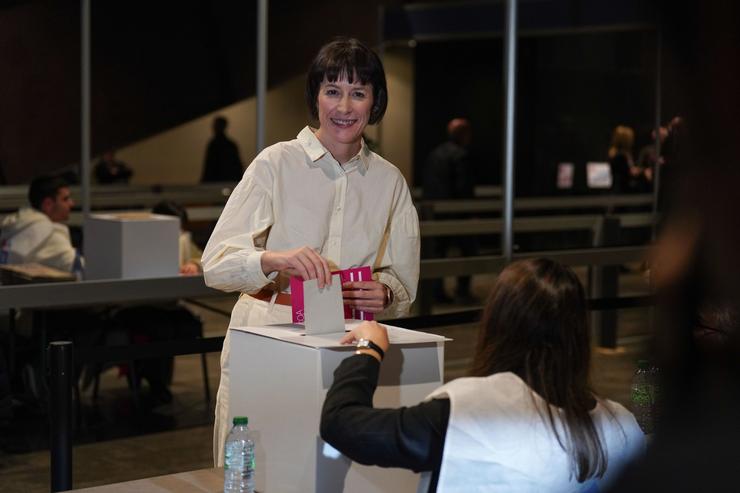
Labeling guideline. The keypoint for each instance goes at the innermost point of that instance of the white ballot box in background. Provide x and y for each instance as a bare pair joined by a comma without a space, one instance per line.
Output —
279,378
131,245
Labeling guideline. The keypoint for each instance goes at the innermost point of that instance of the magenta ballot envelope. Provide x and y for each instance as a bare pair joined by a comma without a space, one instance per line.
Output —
346,275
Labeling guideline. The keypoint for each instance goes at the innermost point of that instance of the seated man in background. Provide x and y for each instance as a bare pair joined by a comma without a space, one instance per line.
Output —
37,233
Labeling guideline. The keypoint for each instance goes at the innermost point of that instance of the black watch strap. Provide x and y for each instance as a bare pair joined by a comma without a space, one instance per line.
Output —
368,344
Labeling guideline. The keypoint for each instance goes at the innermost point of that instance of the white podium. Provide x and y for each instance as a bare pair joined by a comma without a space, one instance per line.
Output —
279,378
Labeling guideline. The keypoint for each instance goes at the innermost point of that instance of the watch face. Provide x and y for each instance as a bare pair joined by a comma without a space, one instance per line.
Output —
363,344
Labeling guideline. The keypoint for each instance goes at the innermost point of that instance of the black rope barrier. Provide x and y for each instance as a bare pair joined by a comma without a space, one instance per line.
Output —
470,316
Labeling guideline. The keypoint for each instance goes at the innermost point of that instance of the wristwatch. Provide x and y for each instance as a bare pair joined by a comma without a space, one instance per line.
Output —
368,344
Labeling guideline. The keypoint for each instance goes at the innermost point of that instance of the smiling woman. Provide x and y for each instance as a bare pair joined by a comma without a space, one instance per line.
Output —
303,208
344,110
345,91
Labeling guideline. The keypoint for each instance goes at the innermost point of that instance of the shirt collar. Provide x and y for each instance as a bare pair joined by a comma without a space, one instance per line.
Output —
316,150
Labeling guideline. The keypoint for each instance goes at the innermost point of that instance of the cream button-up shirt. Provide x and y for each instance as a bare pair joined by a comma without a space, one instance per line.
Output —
296,194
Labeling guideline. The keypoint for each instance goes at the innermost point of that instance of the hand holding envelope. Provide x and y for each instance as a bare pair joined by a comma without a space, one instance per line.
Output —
356,291
303,262
323,312
367,296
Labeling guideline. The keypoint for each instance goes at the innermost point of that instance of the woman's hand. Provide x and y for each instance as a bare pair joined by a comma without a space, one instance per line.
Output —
368,296
648,174
304,262
371,331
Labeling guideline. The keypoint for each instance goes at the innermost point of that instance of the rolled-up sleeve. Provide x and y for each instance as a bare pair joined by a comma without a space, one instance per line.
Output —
232,258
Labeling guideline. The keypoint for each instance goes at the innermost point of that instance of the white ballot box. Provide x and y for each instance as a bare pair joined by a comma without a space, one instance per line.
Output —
279,378
131,245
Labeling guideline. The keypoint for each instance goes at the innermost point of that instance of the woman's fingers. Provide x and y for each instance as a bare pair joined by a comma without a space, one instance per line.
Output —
304,262
368,330
363,289
316,266
348,338
321,267
327,270
368,296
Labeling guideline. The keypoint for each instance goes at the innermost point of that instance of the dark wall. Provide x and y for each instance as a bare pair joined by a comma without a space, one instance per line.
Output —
159,64
572,89
459,79
154,65
39,100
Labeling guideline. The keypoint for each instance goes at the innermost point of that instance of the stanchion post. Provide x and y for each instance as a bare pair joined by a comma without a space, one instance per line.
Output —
604,283
61,368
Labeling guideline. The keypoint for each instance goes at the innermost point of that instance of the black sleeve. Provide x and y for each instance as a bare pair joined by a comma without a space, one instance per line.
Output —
409,437
620,173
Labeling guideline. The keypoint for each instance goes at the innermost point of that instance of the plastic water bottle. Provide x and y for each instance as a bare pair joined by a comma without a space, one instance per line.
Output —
239,458
641,396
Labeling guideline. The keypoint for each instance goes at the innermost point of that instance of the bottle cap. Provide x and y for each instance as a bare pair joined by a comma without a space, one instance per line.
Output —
240,420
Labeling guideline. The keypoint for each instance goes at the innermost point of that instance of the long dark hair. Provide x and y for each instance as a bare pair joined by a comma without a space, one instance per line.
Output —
535,325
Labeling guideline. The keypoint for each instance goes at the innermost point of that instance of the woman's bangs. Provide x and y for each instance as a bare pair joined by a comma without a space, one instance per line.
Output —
348,69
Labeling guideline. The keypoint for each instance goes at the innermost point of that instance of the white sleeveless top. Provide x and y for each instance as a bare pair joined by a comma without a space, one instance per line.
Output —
497,441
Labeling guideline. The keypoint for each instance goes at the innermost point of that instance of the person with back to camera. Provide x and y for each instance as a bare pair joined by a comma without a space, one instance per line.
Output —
525,421
222,161
320,202
449,175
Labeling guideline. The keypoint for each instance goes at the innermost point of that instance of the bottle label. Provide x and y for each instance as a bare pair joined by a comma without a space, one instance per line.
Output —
641,396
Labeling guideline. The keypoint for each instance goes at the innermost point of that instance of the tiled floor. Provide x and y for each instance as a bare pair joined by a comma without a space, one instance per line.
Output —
115,443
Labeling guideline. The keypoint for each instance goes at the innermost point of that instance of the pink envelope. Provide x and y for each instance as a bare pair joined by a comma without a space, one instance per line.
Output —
346,275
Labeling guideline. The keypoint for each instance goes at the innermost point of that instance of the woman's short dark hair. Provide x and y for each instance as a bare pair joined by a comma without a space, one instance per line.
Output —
347,57
535,325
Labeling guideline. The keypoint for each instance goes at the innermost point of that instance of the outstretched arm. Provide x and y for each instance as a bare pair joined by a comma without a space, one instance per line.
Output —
408,437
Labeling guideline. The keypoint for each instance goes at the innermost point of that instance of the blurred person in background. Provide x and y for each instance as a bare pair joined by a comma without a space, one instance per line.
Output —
696,264
190,253
670,136
163,321
625,174
37,234
449,174
222,162
110,171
